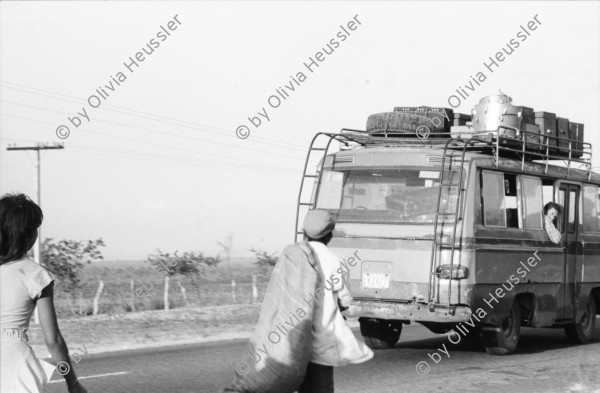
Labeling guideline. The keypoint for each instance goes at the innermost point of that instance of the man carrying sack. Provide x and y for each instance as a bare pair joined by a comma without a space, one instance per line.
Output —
301,334
334,344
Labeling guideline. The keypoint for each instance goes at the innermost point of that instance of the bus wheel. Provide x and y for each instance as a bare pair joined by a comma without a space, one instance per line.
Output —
503,339
474,333
582,332
380,333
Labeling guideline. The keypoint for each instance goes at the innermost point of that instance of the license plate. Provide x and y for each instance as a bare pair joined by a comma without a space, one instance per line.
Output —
376,275
375,281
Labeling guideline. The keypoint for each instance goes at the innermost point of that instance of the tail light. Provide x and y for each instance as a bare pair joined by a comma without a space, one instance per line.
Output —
457,272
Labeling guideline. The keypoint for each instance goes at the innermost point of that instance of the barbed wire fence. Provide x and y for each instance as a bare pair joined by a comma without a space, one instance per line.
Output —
102,295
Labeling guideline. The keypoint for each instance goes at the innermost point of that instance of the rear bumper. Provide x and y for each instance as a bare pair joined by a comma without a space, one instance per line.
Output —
415,312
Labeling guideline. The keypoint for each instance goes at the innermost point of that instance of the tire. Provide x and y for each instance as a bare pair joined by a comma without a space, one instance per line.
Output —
503,339
474,333
438,328
582,331
380,333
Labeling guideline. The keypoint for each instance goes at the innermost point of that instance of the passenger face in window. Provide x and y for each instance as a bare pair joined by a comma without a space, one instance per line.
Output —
552,213
552,210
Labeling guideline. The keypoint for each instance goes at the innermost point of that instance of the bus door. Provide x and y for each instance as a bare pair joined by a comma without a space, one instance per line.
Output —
568,199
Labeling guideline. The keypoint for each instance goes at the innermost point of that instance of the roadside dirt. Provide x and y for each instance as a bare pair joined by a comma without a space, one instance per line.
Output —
107,333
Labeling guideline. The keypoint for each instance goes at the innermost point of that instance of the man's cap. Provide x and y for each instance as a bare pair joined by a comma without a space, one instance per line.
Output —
318,224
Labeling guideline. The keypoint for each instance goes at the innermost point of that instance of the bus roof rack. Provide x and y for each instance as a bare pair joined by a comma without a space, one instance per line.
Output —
506,142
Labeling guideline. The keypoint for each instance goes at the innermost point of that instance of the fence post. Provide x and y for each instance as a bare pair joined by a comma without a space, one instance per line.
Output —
166,295
132,290
182,289
233,290
97,296
254,290
80,302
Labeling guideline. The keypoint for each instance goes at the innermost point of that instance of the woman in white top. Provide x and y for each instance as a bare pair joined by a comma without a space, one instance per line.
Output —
23,285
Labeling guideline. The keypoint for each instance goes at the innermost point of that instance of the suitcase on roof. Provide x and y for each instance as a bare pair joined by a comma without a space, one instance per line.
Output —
532,136
576,133
547,123
562,131
461,119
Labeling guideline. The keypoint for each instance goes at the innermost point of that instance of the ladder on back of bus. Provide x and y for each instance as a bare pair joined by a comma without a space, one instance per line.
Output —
449,179
317,174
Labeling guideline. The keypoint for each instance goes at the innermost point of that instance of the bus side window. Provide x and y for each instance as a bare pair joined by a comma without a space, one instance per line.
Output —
591,208
499,193
494,204
571,225
598,208
561,202
510,193
531,192
547,191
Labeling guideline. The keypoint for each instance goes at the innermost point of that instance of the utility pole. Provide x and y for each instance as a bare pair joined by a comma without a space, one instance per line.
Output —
38,189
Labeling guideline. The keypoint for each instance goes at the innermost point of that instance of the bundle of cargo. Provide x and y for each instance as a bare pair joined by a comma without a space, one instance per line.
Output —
461,119
496,110
576,133
547,123
562,134
422,122
539,130
496,113
517,128
562,129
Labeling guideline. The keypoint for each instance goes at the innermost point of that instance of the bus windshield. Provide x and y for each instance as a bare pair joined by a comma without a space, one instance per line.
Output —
384,195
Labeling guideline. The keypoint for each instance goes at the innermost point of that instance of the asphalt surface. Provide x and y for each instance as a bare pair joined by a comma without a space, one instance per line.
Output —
545,362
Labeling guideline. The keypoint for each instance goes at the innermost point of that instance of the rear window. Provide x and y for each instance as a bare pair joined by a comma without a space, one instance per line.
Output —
384,195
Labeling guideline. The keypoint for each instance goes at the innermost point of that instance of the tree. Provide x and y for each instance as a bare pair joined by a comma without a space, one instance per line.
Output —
65,258
263,258
190,263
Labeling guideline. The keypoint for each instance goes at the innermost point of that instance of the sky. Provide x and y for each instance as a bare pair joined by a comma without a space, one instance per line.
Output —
152,159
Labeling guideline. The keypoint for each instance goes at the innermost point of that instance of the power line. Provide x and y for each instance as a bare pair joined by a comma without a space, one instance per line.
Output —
78,100
133,155
162,132
164,159
150,116
151,143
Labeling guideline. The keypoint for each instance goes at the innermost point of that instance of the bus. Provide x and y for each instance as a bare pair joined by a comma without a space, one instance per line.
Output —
448,231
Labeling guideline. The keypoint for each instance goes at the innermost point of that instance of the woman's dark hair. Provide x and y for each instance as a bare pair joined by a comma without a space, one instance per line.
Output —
551,205
20,218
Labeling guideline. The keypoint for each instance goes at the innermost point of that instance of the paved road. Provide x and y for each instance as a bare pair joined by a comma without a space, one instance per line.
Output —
546,362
